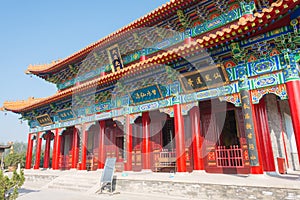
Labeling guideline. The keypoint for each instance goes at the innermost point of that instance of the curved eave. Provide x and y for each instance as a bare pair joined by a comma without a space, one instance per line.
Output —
237,30
17,106
249,24
158,14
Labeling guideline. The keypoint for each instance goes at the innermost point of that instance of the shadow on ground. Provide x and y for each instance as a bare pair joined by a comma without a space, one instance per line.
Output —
23,191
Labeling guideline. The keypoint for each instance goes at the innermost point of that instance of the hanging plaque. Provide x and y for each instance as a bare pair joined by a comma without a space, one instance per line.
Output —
44,120
66,114
147,94
212,76
115,58
249,128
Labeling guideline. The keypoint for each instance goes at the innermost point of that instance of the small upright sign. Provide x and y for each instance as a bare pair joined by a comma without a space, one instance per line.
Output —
107,175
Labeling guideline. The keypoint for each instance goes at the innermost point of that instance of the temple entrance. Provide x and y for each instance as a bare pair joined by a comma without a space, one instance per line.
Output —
229,134
137,139
92,147
65,158
225,143
165,159
114,143
168,134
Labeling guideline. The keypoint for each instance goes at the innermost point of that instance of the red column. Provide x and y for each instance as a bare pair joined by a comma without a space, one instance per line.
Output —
54,149
197,139
256,169
57,149
75,148
47,150
128,135
179,139
84,149
38,151
293,88
101,155
29,152
264,138
146,147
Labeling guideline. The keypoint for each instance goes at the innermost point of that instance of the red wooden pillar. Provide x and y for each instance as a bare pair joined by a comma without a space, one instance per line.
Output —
255,169
146,146
38,151
75,149
54,149
179,139
101,156
197,139
47,150
293,88
57,150
128,134
29,152
264,138
84,149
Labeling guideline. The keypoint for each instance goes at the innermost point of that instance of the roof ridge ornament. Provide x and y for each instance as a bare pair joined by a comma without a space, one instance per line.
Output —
248,7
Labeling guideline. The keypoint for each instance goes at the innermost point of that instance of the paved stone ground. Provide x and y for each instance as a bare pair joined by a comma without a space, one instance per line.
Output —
50,194
152,186
36,190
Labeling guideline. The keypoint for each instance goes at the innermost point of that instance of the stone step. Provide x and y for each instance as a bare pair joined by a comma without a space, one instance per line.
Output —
195,190
76,182
78,189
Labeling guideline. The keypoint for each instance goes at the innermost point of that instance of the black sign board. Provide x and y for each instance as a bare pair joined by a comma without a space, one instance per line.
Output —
212,76
108,172
146,94
44,120
66,114
115,58
249,128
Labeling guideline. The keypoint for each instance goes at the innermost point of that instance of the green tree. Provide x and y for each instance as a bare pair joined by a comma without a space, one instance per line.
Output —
11,185
13,159
19,147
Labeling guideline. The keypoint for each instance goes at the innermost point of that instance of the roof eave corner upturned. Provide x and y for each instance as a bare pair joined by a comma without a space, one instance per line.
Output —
20,106
41,68
28,72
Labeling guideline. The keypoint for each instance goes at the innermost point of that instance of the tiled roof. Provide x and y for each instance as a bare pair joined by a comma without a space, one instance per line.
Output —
238,29
157,14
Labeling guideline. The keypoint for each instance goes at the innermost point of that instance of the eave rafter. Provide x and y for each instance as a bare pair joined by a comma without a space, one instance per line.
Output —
242,27
158,14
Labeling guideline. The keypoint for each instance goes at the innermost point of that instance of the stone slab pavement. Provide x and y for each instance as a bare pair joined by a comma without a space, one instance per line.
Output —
49,194
287,186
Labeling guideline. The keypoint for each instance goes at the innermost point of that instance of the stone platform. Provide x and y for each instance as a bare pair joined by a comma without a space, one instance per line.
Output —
195,185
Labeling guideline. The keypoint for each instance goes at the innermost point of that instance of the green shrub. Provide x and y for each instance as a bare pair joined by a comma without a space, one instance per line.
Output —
11,185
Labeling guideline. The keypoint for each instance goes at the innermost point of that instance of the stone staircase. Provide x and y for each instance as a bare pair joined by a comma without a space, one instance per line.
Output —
196,185
87,182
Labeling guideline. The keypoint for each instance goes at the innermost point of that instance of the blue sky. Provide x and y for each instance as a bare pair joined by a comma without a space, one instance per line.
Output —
35,32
